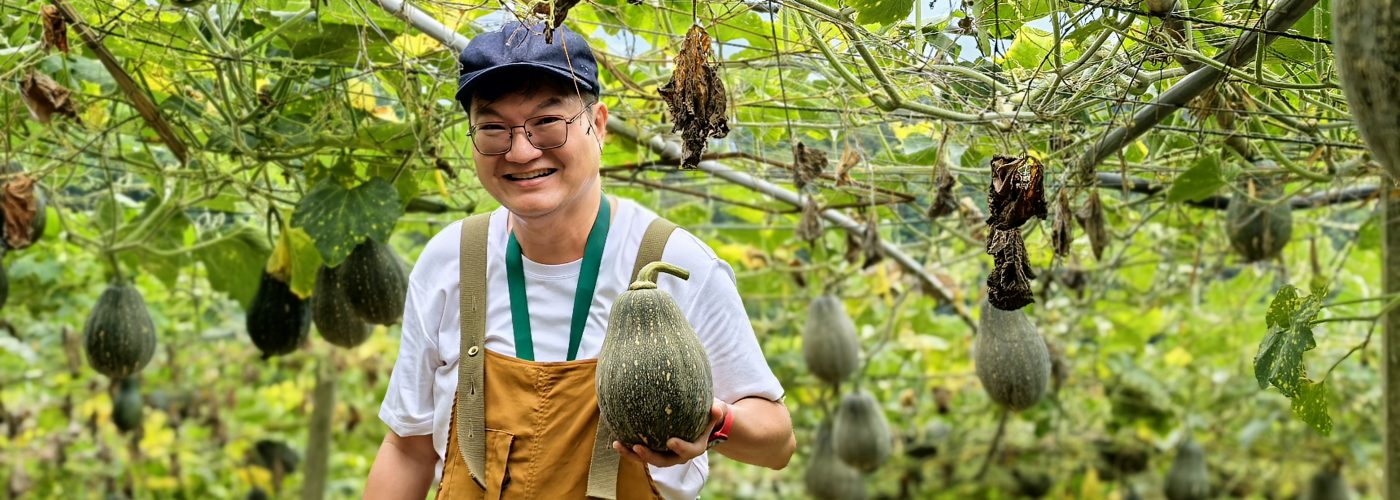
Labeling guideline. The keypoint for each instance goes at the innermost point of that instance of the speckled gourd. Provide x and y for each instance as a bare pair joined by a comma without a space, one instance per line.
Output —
829,343
278,320
1188,478
1259,231
1011,358
861,436
1366,43
827,477
375,281
119,337
331,312
128,407
653,380
1328,484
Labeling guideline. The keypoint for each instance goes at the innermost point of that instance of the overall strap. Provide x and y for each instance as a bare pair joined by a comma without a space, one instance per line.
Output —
471,393
602,471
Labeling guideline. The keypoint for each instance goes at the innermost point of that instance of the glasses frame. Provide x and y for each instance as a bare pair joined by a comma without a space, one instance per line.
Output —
510,132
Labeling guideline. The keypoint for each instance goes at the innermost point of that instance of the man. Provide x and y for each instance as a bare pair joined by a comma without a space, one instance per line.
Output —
538,131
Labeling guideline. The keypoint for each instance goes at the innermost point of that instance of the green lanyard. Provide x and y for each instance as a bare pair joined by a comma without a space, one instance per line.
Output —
583,295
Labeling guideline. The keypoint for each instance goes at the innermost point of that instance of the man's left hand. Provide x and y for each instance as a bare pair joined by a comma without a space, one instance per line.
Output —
681,451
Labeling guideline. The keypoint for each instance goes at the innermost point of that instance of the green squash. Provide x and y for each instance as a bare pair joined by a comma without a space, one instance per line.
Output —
376,282
332,313
1328,484
1188,478
827,477
653,378
862,435
1258,231
119,337
128,408
277,319
1011,358
1366,43
829,343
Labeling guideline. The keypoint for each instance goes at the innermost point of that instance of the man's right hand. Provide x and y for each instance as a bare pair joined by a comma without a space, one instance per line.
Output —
403,469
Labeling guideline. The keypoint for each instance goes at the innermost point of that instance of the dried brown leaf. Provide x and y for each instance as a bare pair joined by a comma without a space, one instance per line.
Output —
1063,233
696,97
809,227
807,165
1017,191
850,158
1009,284
870,241
1091,219
943,202
21,210
44,97
561,12
55,29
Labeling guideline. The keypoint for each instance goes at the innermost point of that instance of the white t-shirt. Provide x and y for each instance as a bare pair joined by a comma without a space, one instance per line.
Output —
424,381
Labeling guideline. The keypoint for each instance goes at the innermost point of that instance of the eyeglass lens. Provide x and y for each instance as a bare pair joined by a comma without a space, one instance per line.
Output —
543,132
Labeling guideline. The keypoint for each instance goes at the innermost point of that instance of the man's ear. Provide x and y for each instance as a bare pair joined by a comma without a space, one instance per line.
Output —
600,121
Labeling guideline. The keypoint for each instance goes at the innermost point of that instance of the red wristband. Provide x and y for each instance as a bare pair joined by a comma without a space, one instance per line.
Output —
721,433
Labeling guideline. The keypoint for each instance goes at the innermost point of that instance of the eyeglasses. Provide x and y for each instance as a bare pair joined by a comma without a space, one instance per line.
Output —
543,132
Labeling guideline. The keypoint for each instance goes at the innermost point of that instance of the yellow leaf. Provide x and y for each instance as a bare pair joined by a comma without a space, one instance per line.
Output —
386,113
1178,358
1091,488
361,95
416,45
162,483
902,131
280,263
255,476
158,437
95,117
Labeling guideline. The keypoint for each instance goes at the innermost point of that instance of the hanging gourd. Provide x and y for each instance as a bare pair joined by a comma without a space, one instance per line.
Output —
829,343
1011,358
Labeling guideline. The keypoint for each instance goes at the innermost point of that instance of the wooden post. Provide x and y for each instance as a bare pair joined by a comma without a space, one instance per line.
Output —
1390,284
318,446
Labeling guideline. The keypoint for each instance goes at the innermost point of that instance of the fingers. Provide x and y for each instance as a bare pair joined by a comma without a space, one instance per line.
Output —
681,452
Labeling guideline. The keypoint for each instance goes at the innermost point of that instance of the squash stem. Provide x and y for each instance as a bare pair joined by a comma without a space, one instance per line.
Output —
646,278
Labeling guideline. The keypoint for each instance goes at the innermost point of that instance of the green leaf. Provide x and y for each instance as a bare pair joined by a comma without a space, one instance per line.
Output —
1310,405
1201,180
235,265
1280,358
306,261
338,218
1030,48
882,11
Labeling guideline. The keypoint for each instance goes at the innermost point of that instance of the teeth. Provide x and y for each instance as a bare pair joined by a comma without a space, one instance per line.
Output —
531,175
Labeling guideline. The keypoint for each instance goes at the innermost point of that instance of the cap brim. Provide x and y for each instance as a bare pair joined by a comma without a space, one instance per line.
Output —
468,82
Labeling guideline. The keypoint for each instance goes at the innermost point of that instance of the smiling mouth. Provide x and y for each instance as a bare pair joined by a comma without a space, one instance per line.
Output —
533,174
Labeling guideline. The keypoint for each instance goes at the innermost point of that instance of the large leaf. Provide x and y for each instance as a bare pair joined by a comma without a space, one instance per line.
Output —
1201,180
882,11
235,265
1031,48
338,218
1280,359
1310,405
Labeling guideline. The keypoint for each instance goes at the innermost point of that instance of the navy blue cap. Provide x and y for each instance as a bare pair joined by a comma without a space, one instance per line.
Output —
521,46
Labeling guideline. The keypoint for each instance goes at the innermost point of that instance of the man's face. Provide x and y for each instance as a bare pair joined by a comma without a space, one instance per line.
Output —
531,182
